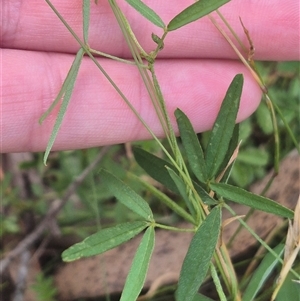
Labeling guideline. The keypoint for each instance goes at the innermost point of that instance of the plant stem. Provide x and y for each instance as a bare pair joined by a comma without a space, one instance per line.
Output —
217,282
173,228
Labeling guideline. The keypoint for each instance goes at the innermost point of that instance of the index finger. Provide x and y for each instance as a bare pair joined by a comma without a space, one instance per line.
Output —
273,26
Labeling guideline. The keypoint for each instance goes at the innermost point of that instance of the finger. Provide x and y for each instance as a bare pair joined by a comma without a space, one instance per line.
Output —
273,26
96,114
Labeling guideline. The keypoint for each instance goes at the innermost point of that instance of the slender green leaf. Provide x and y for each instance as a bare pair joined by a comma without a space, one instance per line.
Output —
147,12
262,273
205,197
71,78
86,19
182,188
223,128
192,146
104,240
200,297
231,148
217,282
138,271
58,97
126,195
197,260
155,167
194,12
241,196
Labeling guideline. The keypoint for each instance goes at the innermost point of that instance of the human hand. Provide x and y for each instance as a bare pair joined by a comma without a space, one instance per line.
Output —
195,69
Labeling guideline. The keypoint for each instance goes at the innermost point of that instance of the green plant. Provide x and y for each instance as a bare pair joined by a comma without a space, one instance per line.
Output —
200,180
44,288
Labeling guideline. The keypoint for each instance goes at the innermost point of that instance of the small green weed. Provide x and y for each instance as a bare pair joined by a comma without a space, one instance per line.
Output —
44,288
197,173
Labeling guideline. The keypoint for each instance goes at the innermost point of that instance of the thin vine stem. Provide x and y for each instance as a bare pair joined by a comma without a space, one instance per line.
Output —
173,228
87,51
158,102
115,58
217,282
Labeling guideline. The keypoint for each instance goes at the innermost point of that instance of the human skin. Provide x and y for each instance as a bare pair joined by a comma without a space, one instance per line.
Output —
194,69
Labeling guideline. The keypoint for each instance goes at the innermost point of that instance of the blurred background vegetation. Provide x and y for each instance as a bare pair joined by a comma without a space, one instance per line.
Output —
92,206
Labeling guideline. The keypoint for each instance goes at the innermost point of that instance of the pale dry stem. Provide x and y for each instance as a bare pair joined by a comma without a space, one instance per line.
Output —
292,248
